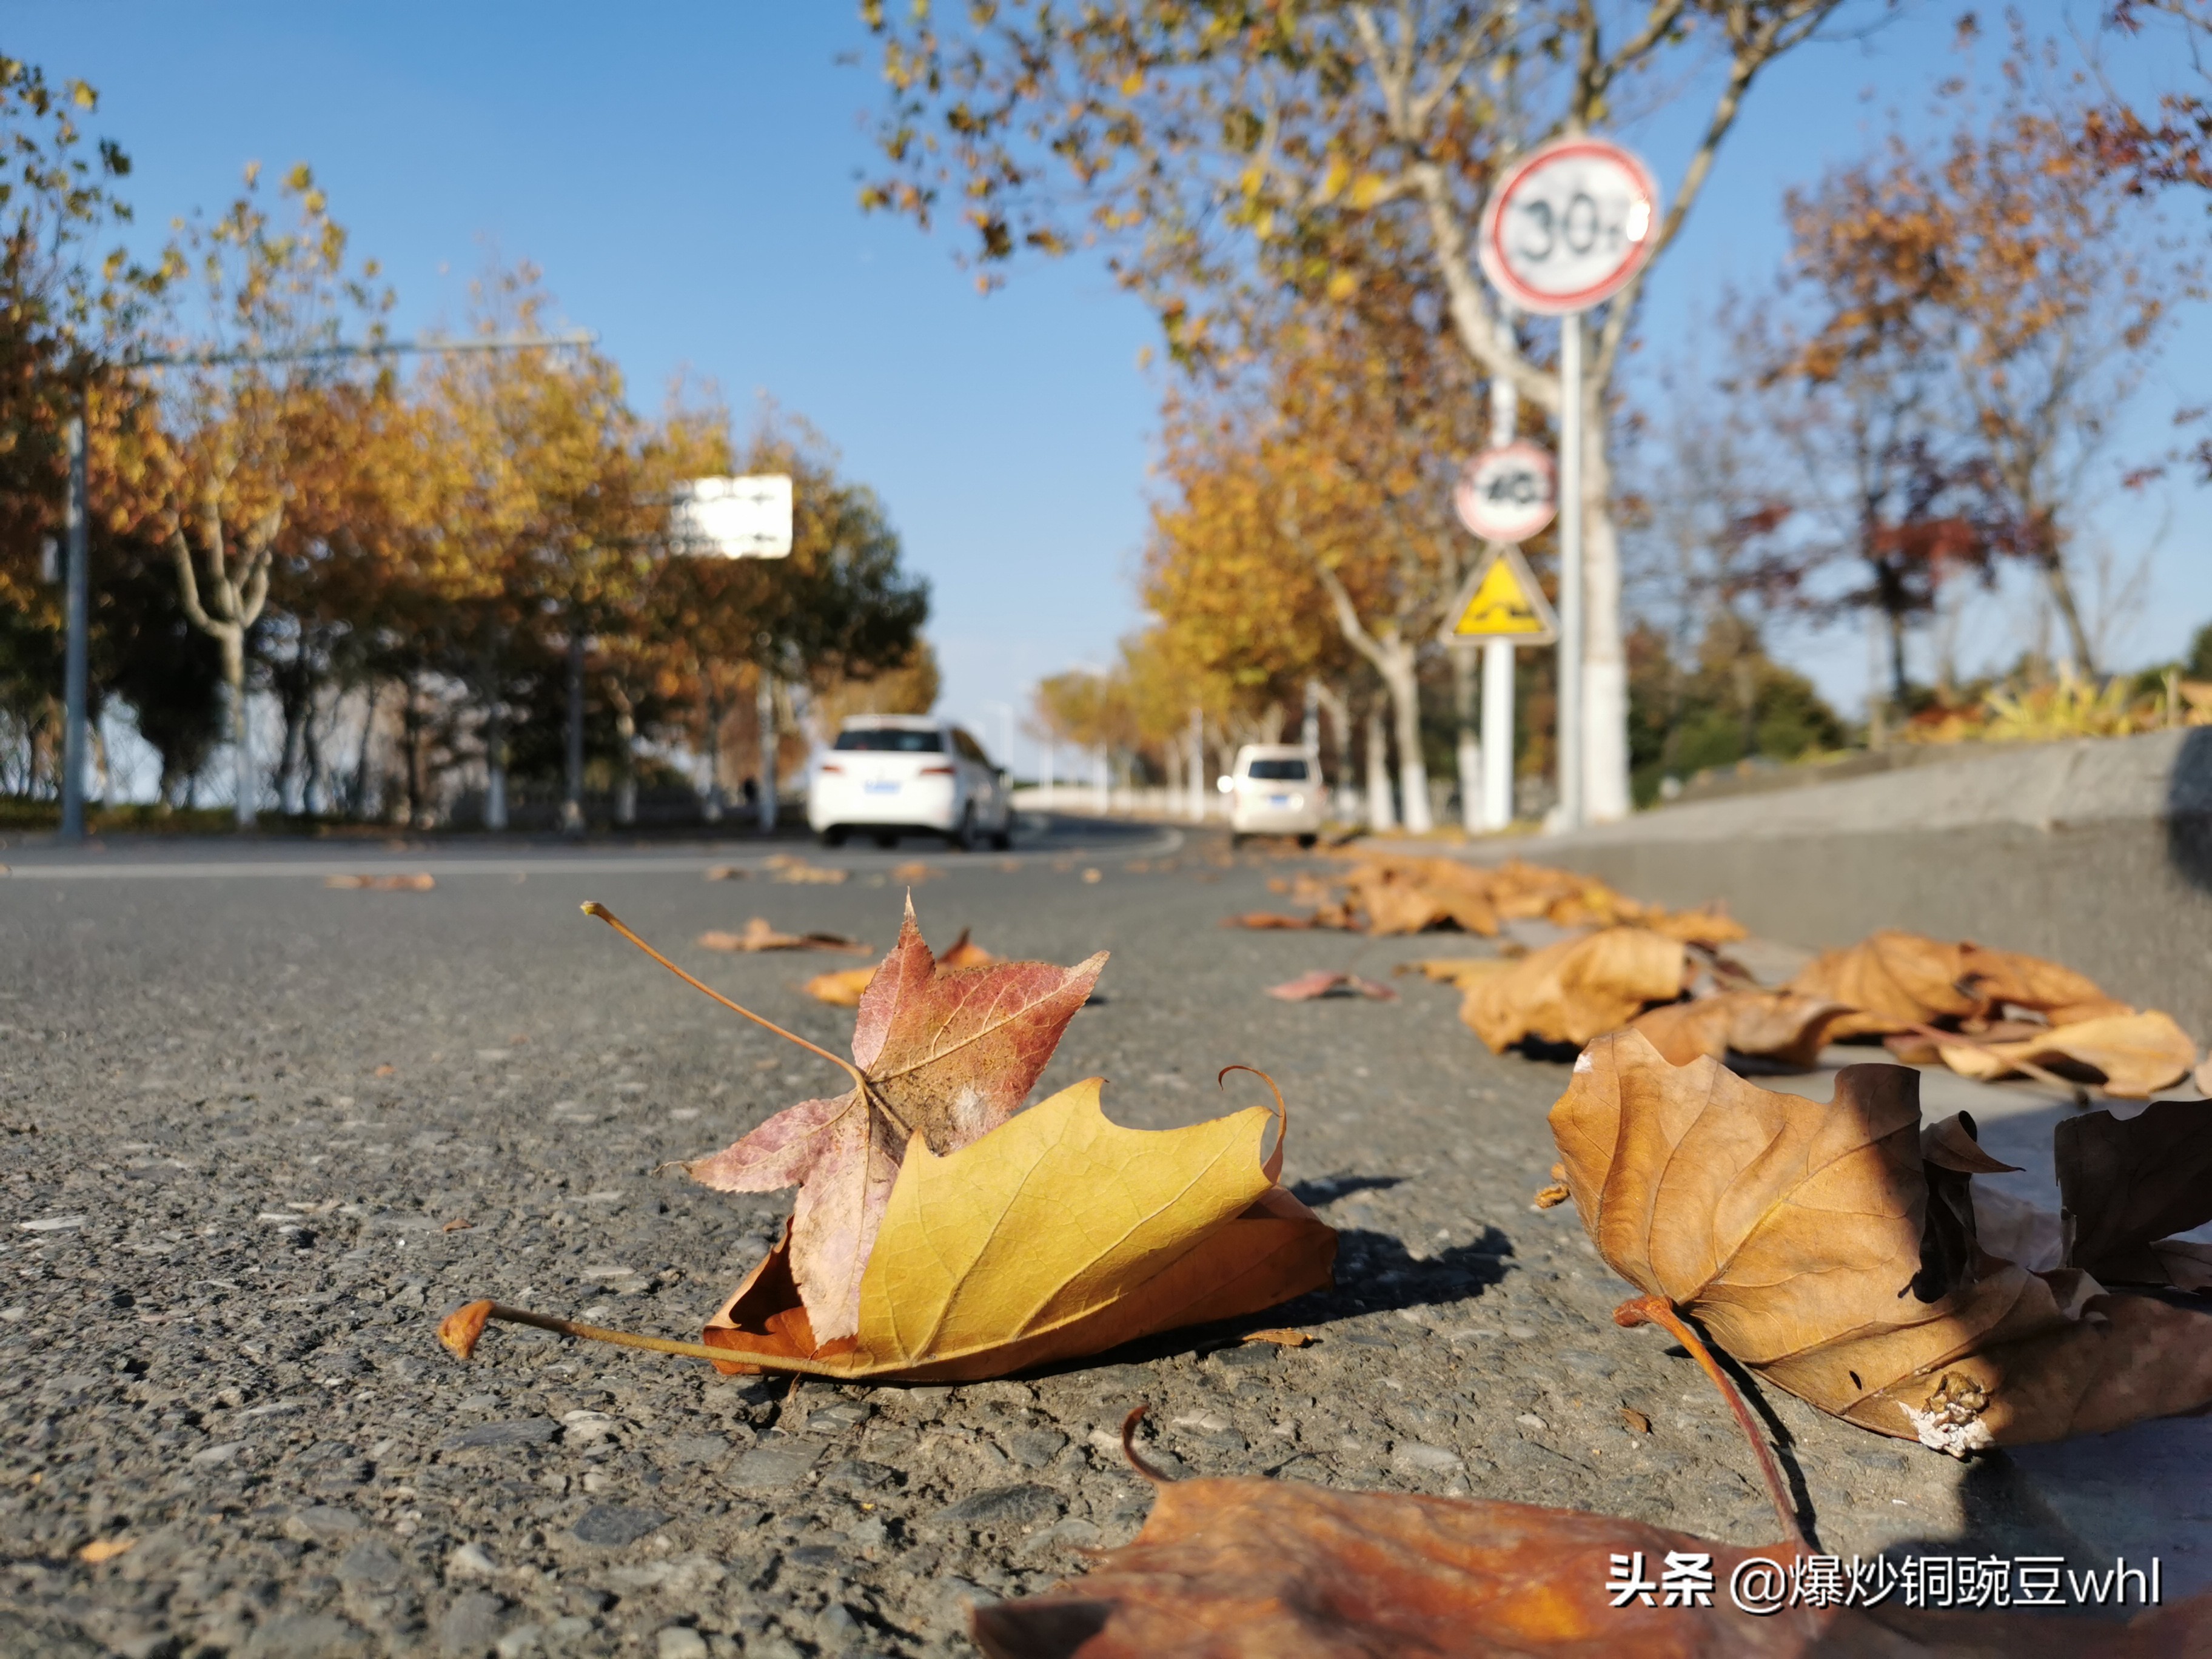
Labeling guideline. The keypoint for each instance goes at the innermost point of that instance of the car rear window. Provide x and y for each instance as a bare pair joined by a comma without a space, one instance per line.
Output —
1279,771
891,740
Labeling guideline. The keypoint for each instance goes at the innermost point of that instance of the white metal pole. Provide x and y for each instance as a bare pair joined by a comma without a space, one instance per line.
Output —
76,653
764,714
1497,734
1570,734
1197,766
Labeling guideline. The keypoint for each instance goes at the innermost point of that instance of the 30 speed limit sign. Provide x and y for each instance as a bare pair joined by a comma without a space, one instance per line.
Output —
1507,494
1568,225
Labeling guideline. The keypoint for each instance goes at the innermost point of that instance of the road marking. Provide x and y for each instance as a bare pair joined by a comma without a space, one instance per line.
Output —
316,869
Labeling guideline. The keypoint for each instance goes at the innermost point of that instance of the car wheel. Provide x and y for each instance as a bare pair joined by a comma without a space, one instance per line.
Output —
962,839
886,839
1235,838
1003,840
1307,842
834,835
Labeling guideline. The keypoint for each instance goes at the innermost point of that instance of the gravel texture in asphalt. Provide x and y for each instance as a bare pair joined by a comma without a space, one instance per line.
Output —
259,1134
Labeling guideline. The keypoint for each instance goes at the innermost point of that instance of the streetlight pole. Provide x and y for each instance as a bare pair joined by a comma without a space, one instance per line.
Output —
75,665
76,651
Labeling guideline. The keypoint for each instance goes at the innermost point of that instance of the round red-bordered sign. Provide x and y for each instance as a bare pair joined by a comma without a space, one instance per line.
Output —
1568,225
1507,494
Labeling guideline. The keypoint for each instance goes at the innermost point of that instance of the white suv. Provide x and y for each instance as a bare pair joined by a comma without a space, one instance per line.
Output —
1274,790
889,775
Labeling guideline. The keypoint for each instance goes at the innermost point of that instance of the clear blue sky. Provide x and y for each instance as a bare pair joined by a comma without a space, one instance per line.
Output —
685,174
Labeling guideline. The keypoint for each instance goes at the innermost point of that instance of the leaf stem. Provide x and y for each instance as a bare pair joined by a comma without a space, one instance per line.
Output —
593,907
1657,1311
461,1328
1158,1478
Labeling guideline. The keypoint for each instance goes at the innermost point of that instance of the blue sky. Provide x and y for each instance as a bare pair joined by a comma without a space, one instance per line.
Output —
685,174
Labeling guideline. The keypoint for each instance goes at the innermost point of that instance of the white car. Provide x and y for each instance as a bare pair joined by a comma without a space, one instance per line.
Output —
891,774
1274,789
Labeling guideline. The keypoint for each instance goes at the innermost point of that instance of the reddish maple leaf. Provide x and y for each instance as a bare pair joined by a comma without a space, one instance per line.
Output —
948,1053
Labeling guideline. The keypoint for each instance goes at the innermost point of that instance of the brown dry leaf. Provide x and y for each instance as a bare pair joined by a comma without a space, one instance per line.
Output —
1268,921
1782,1025
1322,982
726,873
1281,1336
1709,924
2204,1077
1224,1568
1407,894
1461,971
759,936
948,1053
913,872
965,953
1830,1249
789,867
421,881
1572,991
104,1549
1896,979
2134,1055
2128,1185
841,989
1057,1234
459,1224
1634,1420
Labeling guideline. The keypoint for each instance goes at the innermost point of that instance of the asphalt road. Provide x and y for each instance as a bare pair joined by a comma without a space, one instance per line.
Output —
242,1110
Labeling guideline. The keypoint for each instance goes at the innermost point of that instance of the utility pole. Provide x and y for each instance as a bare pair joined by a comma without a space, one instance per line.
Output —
572,803
764,711
75,665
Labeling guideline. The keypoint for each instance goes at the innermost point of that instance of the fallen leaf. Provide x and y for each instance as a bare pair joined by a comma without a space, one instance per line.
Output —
1292,1570
949,1053
759,936
1823,1245
1551,1197
1895,980
104,1549
1461,971
2203,1078
418,883
2128,1185
790,868
1635,1421
726,873
1787,1026
1709,925
842,988
1059,1234
457,1225
2134,1055
965,953
913,872
385,1071
1267,921
1572,991
1281,1336
1321,982
1093,875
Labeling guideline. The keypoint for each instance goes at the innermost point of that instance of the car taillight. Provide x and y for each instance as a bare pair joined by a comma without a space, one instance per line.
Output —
826,767
936,771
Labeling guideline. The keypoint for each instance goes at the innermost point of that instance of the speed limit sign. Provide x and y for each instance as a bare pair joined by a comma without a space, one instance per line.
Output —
1568,225
1507,494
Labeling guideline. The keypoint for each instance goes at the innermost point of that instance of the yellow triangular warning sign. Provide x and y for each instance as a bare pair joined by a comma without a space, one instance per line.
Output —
1503,602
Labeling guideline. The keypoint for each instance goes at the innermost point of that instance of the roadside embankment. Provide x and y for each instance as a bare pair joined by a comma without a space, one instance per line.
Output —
2097,854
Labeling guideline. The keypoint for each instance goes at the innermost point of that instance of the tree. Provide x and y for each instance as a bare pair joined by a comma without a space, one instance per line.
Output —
249,408
1219,152
2000,275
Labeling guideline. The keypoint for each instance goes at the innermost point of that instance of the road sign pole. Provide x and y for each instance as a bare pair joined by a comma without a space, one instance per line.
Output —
1570,571
1498,734
78,650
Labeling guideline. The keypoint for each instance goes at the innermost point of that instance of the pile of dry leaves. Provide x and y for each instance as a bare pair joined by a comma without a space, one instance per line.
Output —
1402,893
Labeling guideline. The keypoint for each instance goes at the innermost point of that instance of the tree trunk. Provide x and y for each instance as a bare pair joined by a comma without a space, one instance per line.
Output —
572,803
1381,819
357,804
2069,614
1605,797
1469,751
494,814
625,757
710,724
247,791
1400,675
1339,710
